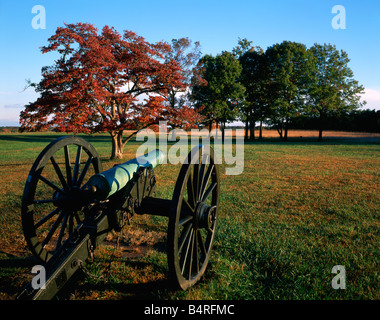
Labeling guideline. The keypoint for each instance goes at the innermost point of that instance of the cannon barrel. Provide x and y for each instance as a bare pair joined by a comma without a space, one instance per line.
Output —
109,182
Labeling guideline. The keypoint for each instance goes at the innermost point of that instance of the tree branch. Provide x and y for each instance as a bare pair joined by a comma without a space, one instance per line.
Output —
126,139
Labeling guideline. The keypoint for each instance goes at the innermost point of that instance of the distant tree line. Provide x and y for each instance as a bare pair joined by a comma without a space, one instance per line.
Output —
356,120
287,86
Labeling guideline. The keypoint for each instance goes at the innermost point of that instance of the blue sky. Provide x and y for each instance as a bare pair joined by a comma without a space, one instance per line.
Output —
217,25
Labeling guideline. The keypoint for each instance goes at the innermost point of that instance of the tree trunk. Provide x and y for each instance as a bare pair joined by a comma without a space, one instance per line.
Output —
320,135
252,130
261,130
210,129
118,142
216,130
286,134
321,124
246,128
280,129
285,126
223,130
248,115
174,137
117,145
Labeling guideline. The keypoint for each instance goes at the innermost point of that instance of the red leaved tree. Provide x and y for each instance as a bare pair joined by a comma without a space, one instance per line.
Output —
104,82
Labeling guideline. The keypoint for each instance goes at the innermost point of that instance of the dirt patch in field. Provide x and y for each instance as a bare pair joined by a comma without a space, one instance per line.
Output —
133,242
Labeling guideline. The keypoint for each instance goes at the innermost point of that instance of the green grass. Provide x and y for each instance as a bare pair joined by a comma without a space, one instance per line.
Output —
298,209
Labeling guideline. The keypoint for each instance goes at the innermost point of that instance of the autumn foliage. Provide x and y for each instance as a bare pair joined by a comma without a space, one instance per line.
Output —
106,82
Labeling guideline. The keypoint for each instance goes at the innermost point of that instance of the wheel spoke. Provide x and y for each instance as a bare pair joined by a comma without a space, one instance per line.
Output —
184,237
43,201
53,228
51,184
185,220
84,171
200,180
195,183
208,191
188,206
184,256
46,218
68,166
62,231
203,176
196,253
207,179
76,166
191,255
201,243
59,173
190,189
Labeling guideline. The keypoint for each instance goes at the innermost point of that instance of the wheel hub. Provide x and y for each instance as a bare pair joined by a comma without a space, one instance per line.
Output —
205,215
75,199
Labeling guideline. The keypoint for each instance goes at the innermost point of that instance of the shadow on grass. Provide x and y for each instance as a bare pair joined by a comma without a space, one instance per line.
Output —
153,290
12,275
13,279
48,137
81,286
17,262
15,275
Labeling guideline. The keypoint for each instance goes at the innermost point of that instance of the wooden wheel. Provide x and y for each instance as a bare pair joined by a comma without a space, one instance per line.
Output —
192,223
52,203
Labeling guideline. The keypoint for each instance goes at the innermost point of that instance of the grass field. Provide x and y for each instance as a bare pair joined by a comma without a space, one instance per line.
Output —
298,209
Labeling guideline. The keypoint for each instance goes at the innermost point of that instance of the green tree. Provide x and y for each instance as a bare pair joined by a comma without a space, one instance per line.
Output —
290,68
242,48
255,80
219,98
333,88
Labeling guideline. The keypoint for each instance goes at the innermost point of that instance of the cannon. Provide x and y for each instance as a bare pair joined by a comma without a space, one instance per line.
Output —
70,204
